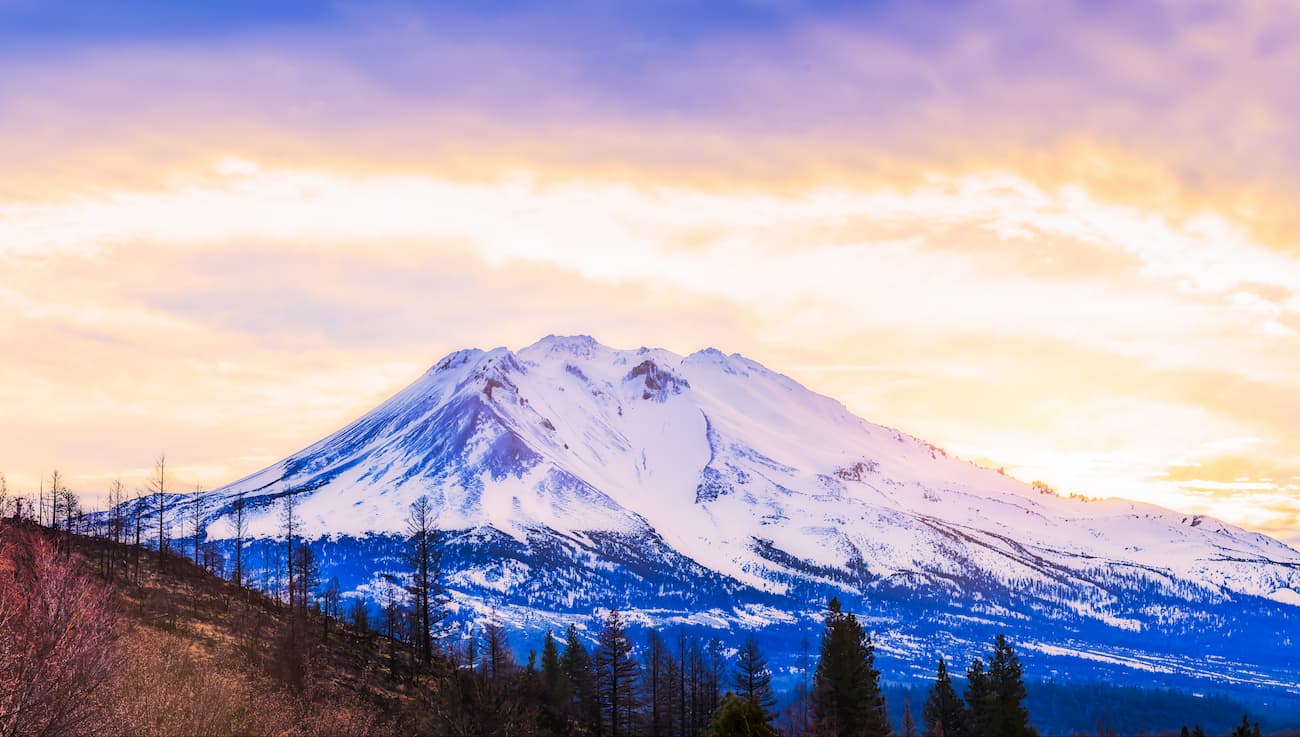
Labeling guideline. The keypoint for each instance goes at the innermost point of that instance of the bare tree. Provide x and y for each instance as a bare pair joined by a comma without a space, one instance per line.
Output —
358,616
289,528
71,505
307,571
158,483
240,523
424,554
198,508
4,495
331,601
116,514
56,484
137,520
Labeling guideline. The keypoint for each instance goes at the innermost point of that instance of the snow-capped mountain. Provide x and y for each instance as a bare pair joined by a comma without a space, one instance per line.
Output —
709,489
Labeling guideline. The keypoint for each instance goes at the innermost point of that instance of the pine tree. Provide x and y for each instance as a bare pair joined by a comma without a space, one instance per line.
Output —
751,678
979,700
1197,731
1007,692
615,674
846,686
909,723
943,714
1243,729
556,691
576,665
739,716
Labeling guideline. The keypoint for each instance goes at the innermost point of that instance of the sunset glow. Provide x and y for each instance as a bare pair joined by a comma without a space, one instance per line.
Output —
1063,244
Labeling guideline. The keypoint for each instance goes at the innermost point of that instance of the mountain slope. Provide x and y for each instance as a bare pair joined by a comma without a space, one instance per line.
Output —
709,489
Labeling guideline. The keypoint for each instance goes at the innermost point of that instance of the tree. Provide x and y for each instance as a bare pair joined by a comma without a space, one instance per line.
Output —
751,677
71,506
198,508
137,519
660,677
979,700
943,714
497,659
846,697
332,597
239,522
307,575
1243,729
615,674
740,716
4,496
116,512
576,665
424,554
1008,715
358,615
56,488
909,724
556,689
289,528
158,483
390,607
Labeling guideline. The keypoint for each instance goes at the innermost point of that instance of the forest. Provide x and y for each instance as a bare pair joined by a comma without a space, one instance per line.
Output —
109,627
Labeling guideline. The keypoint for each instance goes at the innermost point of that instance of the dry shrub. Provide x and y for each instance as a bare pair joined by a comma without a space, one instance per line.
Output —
70,666
57,631
164,690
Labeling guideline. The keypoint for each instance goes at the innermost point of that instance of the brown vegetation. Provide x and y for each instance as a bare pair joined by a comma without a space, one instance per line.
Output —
177,653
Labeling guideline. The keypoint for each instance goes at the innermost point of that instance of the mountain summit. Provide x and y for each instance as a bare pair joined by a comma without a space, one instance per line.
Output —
708,489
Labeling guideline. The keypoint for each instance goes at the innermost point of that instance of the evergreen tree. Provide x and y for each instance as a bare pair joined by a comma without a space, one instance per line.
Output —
740,716
979,698
1243,729
751,678
1197,731
1184,733
615,675
909,724
556,691
1007,692
943,714
846,694
576,665
554,680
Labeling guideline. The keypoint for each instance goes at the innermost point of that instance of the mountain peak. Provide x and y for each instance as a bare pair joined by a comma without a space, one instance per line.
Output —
578,346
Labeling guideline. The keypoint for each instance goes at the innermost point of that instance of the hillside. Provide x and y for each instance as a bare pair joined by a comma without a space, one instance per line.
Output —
110,639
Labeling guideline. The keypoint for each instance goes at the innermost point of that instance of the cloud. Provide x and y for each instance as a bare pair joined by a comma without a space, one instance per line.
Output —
1056,236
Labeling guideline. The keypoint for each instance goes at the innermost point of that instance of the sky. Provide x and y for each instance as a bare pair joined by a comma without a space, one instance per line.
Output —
1058,238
